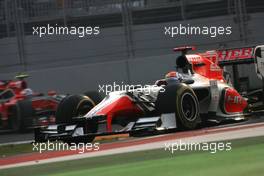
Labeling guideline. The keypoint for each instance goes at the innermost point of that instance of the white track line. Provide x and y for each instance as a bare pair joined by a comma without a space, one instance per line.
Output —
16,143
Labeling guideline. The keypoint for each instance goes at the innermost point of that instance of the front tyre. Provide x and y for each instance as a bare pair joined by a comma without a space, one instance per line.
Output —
75,106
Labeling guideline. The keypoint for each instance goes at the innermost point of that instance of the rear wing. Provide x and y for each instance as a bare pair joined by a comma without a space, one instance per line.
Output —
237,56
232,56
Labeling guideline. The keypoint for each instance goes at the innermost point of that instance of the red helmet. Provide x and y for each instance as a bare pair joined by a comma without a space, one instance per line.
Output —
171,74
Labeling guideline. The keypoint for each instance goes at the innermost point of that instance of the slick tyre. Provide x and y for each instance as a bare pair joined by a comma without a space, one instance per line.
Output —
181,100
187,108
95,96
74,106
22,115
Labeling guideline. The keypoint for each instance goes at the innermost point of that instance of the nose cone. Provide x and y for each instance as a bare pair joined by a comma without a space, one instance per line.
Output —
121,106
115,105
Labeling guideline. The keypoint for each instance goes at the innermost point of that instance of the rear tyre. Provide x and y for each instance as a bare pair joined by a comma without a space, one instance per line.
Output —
181,100
22,116
14,119
74,106
187,108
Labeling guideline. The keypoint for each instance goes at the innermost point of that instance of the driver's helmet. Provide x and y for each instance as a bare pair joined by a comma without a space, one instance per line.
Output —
27,92
171,74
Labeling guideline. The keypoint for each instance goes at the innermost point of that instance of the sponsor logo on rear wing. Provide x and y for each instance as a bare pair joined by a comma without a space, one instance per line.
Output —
231,56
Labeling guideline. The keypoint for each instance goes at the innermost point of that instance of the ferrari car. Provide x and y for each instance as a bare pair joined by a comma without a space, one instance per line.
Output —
21,108
195,92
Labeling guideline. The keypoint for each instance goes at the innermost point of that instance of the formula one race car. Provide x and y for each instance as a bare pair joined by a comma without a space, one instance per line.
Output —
195,92
21,108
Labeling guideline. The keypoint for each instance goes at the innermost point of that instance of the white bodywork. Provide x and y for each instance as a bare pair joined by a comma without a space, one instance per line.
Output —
260,62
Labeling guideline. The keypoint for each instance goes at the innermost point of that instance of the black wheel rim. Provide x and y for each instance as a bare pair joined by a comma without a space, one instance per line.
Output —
188,106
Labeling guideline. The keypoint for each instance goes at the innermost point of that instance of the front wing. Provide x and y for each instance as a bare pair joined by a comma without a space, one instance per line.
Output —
75,131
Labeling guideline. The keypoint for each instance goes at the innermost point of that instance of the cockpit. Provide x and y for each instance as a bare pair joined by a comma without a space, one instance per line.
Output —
183,65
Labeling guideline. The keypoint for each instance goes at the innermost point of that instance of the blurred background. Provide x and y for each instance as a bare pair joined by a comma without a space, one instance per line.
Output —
131,47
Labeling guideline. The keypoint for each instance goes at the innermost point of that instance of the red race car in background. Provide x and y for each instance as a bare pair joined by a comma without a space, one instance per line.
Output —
196,92
21,108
